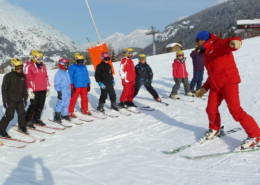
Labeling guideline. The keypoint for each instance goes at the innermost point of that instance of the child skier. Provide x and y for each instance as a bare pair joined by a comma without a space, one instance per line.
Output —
105,80
144,76
80,85
180,75
14,94
38,88
127,73
62,86
198,69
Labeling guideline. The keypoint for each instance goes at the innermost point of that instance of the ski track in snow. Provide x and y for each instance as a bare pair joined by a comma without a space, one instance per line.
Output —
129,149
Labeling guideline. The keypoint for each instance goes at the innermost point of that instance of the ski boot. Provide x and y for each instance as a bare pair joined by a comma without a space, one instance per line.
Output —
249,143
39,122
211,134
193,91
114,107
131,104
123,105
100,107
67,118
174,97
23,130
87,112
190,94
57,117
3,133
72,115
30,125
159,99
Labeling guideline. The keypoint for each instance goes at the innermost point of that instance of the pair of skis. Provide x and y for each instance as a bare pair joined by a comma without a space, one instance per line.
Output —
222,134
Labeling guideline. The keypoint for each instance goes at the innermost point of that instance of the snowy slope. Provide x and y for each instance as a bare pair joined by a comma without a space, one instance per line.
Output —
219,2
128,150
28,32
118,40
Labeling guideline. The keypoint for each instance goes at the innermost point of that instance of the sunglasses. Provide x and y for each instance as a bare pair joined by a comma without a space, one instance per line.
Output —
107,58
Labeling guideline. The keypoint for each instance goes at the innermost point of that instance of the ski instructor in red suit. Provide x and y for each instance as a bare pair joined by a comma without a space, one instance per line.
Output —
222,84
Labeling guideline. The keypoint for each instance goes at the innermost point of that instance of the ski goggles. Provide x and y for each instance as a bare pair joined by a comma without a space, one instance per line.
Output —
130,53
66,64
18,67
142,58
181,55
80,61
39,59
107,58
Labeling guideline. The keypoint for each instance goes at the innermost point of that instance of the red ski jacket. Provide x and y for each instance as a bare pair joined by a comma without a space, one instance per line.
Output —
220,63
127,70
179,69
37,79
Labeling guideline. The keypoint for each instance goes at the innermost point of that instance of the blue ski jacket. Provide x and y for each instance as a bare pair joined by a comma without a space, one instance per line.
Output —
79,75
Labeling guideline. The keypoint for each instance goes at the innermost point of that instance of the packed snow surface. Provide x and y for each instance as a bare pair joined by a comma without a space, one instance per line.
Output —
129,149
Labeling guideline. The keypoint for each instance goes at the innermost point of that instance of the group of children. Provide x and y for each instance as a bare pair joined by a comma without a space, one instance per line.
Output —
72,81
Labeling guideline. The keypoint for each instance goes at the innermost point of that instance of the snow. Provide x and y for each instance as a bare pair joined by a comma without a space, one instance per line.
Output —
129,150
118,40
219,2
172,44
254,21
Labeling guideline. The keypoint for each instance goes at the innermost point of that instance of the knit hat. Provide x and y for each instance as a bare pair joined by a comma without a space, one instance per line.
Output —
203,35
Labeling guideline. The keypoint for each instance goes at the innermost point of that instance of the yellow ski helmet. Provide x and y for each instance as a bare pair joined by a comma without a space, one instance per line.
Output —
16,64
79,59
179,53
129,51
37,56
141,57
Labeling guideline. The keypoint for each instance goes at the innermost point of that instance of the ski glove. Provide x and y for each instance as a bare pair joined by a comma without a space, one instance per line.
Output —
200,92
59,95
72,89
102,86
89,87
235,44
48,91
5,105
114,83
30,93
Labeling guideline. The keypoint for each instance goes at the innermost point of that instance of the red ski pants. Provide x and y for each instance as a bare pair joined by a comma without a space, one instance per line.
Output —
230,94
128,91
83,92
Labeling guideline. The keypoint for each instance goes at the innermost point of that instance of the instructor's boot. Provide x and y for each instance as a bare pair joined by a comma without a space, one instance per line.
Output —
57,117
123,105
100,107
131,104
114,107
23,130
210,134
67,118
39,122
30,125
248,143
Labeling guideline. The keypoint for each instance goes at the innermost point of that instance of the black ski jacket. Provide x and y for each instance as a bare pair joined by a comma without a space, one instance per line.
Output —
104,73
144,74
14,88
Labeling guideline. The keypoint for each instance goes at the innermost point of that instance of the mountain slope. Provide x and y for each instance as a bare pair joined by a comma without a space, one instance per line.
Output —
118,41
129,149
20,32
216,19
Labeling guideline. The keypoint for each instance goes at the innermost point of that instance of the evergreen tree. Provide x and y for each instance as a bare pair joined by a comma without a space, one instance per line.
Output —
88,60
181,43
113,56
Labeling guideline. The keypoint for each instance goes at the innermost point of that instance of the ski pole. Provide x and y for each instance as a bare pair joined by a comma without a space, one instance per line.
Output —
89,41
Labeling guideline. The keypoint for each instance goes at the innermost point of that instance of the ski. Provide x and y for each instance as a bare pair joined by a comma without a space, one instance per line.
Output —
18,140
94,116
221,154
136,112
66,126
179,99
85,120
106,114
124,113
146,108
223,133
43,131
55,128
12,146
30,135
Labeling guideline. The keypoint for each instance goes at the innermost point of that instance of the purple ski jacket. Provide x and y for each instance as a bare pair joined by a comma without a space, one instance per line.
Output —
197,59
